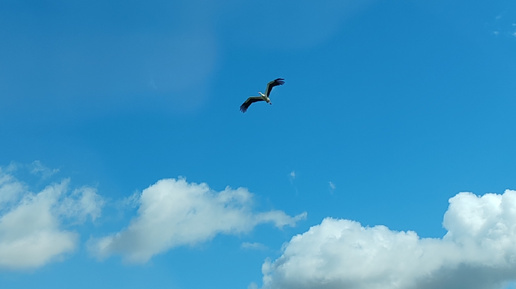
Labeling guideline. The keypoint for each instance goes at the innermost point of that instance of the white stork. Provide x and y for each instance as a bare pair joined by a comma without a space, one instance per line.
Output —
262,97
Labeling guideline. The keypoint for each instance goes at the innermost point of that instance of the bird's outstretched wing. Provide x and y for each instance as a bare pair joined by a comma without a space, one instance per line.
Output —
249,101
271,84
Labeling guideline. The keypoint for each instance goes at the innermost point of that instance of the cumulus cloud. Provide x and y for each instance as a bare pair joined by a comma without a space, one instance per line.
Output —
30,223
173,212
477,252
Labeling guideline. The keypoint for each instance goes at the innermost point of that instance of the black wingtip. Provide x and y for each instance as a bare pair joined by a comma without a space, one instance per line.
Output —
279,81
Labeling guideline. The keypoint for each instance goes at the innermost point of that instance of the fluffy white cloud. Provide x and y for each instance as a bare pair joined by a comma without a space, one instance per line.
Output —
30,233
478,252
173,212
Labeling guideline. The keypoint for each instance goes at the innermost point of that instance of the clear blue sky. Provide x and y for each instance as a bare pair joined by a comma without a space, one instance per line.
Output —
387,159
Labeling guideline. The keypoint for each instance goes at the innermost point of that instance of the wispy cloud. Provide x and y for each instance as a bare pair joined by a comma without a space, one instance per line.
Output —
502,26
37,168
477,252
253,246
173,212
332,186
31,233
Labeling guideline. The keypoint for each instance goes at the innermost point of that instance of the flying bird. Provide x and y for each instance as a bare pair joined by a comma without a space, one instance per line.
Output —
262,97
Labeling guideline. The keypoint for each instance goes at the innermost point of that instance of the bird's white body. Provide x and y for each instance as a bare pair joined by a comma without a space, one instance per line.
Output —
265,97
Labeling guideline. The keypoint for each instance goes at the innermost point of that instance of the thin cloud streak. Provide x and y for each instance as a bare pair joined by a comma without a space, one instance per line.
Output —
253,246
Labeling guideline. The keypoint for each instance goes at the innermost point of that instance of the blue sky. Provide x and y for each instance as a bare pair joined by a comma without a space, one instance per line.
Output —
386,160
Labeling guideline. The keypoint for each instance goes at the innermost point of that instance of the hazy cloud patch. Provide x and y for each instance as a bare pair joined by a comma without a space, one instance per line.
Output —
332,187
253,246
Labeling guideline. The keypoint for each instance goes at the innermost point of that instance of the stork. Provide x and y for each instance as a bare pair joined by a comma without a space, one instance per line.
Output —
262,97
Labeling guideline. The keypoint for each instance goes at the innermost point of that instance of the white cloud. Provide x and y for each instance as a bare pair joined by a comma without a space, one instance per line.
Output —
81,203
10,189
478,252
30,223
173,212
